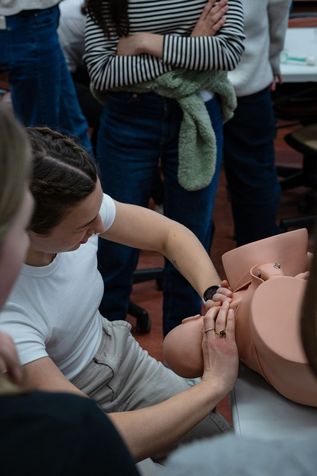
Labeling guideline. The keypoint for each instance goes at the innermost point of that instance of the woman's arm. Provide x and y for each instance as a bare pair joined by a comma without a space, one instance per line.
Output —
145,229
220,52
212,19
209,23
108,70
278,14
153,429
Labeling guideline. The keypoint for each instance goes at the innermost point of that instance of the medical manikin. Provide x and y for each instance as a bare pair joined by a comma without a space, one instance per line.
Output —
268,278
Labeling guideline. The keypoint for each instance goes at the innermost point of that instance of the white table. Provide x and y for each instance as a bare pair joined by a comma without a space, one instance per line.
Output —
258,411
300,42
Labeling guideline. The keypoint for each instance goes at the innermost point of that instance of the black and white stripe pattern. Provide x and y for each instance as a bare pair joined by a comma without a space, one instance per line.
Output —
175,19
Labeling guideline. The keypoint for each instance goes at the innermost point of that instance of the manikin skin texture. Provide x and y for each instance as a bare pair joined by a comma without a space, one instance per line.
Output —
267,300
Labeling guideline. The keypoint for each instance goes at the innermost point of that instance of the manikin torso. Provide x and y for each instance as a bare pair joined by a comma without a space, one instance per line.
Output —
267,300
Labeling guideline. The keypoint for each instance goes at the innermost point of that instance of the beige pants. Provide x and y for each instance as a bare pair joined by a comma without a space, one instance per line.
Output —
122,376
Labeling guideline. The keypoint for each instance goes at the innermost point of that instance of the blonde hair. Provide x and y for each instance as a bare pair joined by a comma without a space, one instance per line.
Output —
15,164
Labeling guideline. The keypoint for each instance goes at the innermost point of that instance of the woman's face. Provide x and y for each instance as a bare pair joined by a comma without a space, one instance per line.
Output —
82,221
14,247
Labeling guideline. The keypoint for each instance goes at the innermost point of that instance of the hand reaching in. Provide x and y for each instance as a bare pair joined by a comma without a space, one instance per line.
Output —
223,294
220,353
9,360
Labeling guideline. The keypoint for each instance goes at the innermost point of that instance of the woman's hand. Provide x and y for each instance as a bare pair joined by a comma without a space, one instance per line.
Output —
130,45
9,360
219,347
223,294
278,79
212,18
210,21
141,43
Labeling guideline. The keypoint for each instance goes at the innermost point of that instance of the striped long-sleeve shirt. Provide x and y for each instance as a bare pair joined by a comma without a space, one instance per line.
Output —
175,20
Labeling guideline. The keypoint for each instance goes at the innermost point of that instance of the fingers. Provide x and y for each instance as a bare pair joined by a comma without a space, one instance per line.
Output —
224,291
9,361
207,9
231,322
217,12
220,354
221,319
224,283
210,316
225,321
223,294
218,319
214,11
14,371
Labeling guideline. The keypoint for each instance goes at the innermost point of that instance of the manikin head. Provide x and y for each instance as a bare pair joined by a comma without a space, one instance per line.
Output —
67,193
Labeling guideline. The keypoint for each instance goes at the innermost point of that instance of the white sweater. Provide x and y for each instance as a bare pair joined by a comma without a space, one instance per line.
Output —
265,27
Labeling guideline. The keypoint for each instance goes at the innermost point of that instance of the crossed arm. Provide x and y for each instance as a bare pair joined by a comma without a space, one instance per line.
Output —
209,23
143,56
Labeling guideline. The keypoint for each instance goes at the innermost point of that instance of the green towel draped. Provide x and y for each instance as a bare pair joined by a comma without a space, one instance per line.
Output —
197,142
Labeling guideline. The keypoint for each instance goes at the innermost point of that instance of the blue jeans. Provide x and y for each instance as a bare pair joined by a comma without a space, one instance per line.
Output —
137,133
249,161
42,89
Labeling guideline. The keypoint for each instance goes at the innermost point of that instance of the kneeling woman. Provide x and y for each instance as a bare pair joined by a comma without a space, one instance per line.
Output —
63,341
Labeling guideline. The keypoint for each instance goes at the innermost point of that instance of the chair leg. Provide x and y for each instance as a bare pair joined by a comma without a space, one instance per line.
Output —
292,180
143,322
141,275
298,222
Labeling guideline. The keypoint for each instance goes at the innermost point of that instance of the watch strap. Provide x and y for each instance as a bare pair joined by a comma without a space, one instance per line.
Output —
210,292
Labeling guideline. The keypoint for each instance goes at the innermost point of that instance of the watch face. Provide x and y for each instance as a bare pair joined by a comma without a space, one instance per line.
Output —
210,292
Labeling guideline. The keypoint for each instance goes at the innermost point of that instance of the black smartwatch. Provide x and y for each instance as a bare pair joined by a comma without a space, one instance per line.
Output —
210,292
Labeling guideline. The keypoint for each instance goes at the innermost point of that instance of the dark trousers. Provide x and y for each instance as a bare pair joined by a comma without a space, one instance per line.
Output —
250,168
137,133
42,90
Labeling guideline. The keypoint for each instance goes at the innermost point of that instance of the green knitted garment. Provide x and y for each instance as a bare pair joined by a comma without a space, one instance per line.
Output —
197,141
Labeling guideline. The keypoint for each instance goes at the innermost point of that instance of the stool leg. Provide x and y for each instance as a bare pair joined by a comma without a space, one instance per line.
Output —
143,322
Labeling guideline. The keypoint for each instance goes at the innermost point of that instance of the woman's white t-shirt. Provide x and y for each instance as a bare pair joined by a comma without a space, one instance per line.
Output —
53,310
